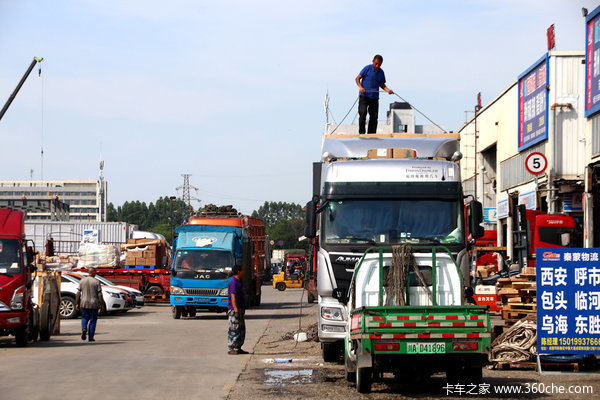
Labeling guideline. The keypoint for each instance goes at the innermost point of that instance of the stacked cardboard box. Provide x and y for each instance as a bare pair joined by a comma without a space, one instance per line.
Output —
518,296
486,270
392,153
145,252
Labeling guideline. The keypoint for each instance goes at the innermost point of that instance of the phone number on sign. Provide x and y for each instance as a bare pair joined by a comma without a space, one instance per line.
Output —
586,341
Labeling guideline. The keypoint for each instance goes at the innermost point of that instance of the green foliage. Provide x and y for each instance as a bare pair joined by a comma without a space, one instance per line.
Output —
161,217
284,222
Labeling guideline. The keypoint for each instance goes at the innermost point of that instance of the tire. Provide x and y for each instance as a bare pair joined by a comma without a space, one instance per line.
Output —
45,320
192,313
68,308
364,379
34,327
331,352
349,368
176,311
21,335
311,298
280,286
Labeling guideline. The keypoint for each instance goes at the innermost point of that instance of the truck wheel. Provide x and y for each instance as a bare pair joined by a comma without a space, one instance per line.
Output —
21,335
280,286
45,319
364,379
311,297
192,313
67,308
34,324
331,352
176,311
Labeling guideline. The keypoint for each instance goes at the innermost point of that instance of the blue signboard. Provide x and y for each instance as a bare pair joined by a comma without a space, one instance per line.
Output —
573,201
533,104
592,63
568,300
489,215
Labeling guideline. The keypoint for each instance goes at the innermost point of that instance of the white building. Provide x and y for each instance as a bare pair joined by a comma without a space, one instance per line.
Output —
87,199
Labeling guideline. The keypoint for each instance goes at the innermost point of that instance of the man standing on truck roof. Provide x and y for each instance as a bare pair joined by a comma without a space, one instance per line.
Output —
369,80
89,300
236,309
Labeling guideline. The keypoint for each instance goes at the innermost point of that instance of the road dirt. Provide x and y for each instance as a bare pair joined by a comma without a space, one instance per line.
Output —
281,368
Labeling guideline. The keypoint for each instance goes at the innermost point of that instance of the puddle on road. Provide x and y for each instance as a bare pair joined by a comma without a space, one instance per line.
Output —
283,377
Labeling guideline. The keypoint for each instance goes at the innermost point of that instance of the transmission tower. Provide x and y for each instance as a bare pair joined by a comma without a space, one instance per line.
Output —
187,197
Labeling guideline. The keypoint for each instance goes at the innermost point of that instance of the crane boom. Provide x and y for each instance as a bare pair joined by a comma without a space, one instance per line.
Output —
14,94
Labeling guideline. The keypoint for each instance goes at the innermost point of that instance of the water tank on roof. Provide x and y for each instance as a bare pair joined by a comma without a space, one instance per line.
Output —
400,105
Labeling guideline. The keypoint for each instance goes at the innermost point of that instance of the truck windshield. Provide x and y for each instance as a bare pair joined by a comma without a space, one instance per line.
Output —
203,264
393,221
10,257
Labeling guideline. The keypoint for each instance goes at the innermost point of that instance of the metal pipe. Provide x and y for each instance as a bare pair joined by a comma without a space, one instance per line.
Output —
23,79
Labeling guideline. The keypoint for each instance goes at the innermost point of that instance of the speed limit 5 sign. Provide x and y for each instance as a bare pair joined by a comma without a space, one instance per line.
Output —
536,163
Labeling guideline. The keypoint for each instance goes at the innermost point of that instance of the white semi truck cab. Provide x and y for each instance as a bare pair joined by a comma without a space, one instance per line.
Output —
381,190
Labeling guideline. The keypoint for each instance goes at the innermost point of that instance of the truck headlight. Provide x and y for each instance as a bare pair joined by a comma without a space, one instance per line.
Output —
177,290
332,313
224,292
16,303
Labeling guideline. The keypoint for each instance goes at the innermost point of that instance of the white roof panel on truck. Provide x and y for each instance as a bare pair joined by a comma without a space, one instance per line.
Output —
358,146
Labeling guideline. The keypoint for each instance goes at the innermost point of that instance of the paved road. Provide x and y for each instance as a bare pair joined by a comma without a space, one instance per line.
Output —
141,354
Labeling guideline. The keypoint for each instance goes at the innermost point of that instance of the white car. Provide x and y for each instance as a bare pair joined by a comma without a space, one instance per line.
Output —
115,299
137,295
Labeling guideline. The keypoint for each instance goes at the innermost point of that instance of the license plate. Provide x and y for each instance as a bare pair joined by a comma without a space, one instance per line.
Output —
426,348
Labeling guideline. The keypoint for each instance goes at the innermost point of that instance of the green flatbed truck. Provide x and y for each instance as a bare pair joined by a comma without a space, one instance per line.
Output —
406,315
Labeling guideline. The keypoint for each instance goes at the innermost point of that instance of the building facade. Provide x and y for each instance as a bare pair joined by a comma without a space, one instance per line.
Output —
529,146
87,199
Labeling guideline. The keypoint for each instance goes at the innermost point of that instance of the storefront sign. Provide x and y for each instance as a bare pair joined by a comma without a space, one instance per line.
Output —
533,104
529,199
502,209
592,63
568,300
490,215
573,202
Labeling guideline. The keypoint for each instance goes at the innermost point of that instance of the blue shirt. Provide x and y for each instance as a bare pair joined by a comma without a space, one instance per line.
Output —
371,81
235,286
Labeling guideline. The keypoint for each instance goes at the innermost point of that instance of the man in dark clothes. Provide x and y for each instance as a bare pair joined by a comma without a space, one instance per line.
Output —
89,300
369,80
236,309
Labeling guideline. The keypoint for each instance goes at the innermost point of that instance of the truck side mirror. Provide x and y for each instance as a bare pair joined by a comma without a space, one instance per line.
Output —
340,295
32,268
30,255
310,230
475,219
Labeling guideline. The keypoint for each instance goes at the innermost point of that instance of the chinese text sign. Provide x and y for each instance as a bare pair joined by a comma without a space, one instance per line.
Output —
533,105
592,63
568,300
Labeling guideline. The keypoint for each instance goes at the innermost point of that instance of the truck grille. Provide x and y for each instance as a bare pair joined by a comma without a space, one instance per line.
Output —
202,292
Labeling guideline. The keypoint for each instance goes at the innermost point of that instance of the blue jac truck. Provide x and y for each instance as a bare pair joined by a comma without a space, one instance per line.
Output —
204,253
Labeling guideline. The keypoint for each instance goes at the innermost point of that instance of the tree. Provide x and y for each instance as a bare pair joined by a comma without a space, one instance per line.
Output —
283,222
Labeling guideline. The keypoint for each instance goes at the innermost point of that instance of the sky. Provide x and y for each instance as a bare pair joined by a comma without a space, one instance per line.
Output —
232,92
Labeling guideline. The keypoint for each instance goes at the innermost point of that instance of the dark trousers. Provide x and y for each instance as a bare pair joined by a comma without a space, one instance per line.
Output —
366,104
89,316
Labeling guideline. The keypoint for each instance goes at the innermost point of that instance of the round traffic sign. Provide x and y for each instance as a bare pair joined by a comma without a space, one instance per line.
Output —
536,163
280,243
272,242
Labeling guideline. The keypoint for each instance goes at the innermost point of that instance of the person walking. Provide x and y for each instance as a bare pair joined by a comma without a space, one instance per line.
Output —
236,309
369,80
89,300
